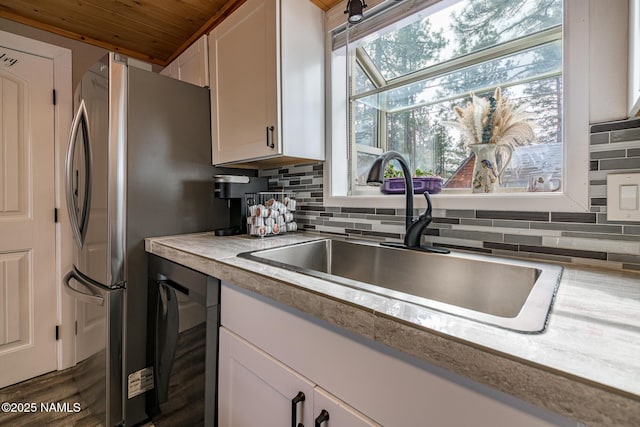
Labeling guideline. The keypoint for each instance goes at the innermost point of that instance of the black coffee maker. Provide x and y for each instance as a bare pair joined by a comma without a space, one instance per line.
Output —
233,188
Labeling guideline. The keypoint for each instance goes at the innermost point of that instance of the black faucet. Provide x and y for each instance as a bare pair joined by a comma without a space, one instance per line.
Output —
414,228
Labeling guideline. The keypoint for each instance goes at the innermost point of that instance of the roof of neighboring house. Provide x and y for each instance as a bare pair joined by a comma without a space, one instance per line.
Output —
461,178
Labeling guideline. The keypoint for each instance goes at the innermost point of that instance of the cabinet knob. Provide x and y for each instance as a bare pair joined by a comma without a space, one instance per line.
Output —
294,409
270,130
324,416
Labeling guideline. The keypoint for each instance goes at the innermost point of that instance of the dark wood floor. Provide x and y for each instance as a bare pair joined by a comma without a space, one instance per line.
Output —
60,386
185,406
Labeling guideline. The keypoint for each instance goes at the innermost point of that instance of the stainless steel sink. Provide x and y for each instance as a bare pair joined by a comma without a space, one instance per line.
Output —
511,294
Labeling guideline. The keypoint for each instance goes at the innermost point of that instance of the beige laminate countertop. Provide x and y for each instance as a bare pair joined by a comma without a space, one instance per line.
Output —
585,366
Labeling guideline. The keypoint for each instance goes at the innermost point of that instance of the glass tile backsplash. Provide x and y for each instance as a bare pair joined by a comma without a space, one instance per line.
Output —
573,237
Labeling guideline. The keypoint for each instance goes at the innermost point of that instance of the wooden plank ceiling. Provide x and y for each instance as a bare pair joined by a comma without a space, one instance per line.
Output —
152,30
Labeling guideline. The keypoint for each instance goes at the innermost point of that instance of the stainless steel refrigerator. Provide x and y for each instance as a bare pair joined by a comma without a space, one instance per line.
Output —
138,165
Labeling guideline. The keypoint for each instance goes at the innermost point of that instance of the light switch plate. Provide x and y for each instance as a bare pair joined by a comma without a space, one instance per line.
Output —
623,197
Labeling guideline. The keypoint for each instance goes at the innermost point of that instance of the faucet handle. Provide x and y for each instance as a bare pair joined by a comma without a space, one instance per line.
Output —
427,213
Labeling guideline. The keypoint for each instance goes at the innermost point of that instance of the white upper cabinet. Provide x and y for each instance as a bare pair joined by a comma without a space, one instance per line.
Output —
192,66
634,57
267,84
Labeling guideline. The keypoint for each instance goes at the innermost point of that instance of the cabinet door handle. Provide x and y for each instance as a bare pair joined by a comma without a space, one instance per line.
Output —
294,409
324,416
270,130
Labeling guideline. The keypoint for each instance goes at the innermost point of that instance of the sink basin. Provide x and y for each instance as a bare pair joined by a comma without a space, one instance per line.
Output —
511,294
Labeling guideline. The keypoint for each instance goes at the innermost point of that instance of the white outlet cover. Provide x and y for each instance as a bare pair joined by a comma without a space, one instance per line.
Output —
623,197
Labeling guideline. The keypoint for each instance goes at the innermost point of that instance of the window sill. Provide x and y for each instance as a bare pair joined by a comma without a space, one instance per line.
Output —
556,202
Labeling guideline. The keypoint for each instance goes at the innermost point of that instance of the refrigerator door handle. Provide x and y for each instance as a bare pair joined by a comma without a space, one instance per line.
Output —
81,296
79,225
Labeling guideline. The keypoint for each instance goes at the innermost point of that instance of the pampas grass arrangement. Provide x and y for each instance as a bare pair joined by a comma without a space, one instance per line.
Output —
493,121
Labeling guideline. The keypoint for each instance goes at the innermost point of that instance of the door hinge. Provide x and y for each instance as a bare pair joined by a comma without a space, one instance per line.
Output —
76,327
54,97
55,215
57,332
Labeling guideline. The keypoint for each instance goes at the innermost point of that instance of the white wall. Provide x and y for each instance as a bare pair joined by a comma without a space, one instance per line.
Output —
608,65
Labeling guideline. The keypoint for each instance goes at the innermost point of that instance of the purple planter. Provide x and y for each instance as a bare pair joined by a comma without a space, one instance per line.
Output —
432,184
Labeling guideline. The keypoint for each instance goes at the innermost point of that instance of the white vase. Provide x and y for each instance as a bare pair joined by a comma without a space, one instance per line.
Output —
486,174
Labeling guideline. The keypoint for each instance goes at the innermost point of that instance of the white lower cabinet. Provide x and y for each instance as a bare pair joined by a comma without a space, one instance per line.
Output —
257,390
270,352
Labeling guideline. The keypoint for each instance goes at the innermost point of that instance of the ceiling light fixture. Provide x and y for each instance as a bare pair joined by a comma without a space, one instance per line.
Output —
354,9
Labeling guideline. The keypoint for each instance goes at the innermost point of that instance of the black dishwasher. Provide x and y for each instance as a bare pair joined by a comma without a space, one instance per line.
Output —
182,345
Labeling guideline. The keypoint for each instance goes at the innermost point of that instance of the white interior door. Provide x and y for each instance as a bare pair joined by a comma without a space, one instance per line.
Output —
27,229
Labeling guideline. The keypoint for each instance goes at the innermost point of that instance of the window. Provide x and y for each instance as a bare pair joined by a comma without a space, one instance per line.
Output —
406,70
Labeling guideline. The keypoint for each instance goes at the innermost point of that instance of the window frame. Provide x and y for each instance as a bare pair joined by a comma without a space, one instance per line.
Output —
573,198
